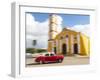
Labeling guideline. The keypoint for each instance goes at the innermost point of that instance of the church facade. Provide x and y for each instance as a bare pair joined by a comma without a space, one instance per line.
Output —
66,42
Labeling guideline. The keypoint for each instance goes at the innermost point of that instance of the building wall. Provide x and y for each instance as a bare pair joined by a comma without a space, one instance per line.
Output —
85,45
66,37
70,38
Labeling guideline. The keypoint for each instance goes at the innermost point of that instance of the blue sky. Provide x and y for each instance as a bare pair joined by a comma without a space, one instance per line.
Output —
68,19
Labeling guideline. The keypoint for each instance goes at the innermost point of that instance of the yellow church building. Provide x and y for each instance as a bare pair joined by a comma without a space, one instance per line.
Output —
67,42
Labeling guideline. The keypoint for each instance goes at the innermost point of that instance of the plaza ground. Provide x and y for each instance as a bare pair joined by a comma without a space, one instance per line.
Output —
68,60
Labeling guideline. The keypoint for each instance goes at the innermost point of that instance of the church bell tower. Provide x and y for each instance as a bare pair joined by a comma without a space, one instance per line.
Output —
52,26
52,31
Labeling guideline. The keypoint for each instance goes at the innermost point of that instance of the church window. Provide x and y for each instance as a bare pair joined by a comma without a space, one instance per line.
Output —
34,42
75,37
61,38
66,36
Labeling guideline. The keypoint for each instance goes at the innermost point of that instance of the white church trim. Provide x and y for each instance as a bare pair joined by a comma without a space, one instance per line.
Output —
52,46
56,46
72,38
67,44
60,42
78,39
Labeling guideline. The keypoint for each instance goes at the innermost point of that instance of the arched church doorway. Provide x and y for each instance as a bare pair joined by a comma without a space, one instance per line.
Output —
64,49
75,48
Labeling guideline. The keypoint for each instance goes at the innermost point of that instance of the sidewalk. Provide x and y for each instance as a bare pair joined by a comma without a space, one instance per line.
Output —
84,56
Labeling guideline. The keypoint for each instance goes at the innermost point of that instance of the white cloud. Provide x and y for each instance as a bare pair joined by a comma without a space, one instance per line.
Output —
39,31
59,20
36,31
59,23
85,29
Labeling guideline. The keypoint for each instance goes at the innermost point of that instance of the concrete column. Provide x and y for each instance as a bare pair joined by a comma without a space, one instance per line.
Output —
60,42
67,44
56,46
78,39
52,46
72,39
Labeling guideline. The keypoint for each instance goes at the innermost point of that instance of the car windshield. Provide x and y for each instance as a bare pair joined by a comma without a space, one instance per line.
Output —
46,54
51,54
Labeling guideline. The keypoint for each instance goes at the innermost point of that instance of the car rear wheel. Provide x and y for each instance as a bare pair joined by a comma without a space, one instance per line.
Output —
41,62
59,60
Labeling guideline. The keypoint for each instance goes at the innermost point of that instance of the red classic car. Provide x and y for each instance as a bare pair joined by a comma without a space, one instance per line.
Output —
49,57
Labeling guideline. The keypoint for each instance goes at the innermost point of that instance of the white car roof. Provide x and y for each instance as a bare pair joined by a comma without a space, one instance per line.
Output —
48,53
51,52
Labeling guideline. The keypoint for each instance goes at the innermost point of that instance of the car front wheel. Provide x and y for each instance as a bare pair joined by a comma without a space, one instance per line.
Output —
59,60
